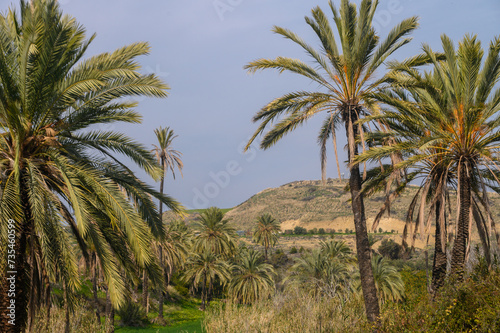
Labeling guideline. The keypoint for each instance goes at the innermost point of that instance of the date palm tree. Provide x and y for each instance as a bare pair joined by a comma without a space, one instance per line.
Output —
266,232
169,159
204,269
320,273
449,120
252,278
61,178
346,80
389,284
215,234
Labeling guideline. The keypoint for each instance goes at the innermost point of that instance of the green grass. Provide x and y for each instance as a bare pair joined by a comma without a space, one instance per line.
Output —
188,327
181,317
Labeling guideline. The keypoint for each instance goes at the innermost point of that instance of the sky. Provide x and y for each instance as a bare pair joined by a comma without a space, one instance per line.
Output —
199,48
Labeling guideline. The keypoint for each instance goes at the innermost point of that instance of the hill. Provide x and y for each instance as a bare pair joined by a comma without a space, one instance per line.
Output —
311,204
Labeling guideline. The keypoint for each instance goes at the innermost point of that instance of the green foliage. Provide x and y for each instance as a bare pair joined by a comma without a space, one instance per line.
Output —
214,233
469,306
62,172
299,230
321,231
390,249
252,279
279,259
293,250
266,231
132,315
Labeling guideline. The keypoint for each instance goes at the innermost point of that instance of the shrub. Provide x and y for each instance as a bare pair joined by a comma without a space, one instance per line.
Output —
299,230
321,231
470,306
293,250
380,230
133,315
279,259
390,249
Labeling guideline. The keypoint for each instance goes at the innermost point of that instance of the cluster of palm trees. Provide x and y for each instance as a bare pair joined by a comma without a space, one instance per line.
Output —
61,180
439,125
216,260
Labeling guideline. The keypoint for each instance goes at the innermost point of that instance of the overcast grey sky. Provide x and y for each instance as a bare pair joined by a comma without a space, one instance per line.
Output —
199,47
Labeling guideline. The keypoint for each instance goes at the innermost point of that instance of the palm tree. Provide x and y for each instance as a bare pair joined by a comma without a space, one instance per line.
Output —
452,125
169,159
266,232
60,179
346,80
172,252
204,269
215,234
321,273
252,278
389,284
336,249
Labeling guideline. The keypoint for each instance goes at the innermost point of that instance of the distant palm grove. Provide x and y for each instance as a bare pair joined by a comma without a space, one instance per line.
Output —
88,246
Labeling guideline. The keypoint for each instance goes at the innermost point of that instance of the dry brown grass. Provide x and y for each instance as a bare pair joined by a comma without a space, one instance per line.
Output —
289,312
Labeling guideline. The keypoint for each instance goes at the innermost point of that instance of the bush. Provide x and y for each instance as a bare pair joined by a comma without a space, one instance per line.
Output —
321,231
293,250
470,306
390,249
133,315
346,230
299,231
279,259
380,230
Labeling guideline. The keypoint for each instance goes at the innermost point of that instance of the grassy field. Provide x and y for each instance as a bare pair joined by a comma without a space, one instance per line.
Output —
182,317
187,327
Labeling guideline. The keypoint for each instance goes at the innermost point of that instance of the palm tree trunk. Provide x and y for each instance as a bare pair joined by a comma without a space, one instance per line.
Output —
265,252
94,286
160,296
462,238
66,309
145,286
160,250
334,137
204,292
440,259
110,314
358,208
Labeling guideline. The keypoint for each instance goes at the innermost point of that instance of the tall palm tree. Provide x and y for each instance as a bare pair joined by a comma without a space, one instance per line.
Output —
204,269
266,232
346,80
252,278
452,124
60,178
169,159
214,233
